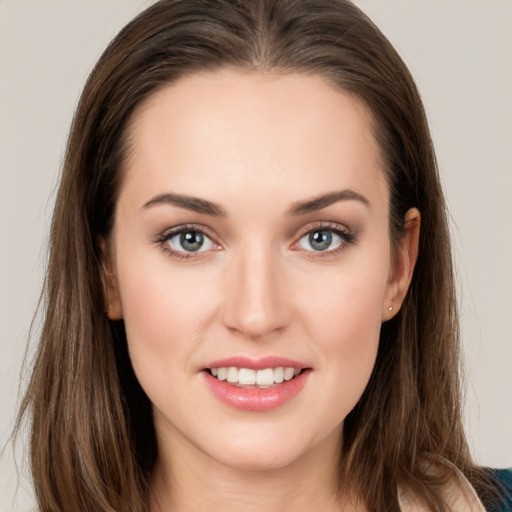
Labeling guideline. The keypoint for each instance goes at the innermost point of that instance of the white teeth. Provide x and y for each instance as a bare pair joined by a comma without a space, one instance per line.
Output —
232,375
289,373
246,377
249,377
279,375
265,377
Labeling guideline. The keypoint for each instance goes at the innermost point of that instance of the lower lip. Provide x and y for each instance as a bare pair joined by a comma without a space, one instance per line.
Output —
256,399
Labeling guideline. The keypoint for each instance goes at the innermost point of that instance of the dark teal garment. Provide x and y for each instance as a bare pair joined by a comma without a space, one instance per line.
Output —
503,478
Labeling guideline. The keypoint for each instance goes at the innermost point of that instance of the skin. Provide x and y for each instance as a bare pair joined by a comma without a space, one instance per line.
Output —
254,144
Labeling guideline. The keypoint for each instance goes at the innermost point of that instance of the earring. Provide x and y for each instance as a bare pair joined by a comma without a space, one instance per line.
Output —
390,308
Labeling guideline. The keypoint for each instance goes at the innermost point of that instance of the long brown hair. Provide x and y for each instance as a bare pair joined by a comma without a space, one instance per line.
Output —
92,441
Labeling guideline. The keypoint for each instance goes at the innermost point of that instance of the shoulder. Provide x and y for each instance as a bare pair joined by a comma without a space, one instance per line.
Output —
503,481
457,494
460,496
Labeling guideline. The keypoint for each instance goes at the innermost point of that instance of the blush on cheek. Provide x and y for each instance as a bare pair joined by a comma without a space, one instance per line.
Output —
348,325
161,307
353,306
150,322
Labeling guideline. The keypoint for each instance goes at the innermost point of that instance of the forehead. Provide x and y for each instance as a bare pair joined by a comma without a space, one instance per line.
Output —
214,132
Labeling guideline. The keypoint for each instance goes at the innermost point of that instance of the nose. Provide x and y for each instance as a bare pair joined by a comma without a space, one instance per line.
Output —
256,303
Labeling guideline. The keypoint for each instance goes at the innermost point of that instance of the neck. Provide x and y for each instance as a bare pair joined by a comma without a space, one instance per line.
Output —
186,479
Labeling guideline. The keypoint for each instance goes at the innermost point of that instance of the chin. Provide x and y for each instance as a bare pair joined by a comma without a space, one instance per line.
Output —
268,450
258,459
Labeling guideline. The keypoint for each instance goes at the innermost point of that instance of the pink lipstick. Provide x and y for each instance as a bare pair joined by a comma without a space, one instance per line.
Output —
255,384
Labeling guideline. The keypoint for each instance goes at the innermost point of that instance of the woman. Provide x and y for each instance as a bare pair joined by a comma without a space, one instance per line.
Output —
249,255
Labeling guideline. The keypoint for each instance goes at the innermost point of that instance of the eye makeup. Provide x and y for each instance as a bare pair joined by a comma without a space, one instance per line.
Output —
337,236
195,241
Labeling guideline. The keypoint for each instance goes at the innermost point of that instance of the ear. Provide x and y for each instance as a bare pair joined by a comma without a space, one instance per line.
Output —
403,265
110,287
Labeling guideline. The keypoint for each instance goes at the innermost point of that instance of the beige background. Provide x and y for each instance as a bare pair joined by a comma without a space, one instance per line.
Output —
460,52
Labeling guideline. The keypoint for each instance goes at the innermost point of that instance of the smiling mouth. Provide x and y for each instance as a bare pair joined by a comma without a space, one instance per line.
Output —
250,378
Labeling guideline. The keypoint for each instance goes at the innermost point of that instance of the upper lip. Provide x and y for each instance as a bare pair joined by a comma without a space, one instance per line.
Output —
256,363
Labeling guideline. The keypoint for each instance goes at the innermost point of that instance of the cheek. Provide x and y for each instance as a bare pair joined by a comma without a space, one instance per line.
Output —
348,331
348,306
164,311
344,320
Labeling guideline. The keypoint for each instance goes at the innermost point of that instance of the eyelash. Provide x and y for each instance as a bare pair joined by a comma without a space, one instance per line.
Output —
163,239
346,236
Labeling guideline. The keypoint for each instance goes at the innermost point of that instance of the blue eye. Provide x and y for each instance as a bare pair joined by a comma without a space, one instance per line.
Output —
189,241
321,240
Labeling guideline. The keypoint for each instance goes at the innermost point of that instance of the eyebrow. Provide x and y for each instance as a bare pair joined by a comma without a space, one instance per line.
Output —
188,203
325,200
203,206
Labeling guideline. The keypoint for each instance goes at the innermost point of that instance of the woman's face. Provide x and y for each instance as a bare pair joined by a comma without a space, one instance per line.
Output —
251,232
